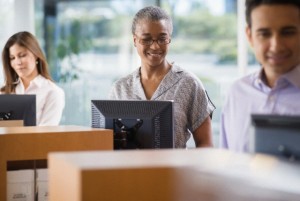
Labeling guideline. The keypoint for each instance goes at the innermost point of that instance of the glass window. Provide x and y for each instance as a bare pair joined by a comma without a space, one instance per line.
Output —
89,45
6,24
205,42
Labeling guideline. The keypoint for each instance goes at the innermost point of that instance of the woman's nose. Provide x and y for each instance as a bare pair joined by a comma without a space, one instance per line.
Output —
18,60
155,44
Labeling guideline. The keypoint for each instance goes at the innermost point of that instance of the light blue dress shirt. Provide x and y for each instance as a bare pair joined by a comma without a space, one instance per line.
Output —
251,95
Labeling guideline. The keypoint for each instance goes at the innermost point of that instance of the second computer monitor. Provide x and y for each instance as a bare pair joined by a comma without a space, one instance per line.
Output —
137,124
20,107
278,135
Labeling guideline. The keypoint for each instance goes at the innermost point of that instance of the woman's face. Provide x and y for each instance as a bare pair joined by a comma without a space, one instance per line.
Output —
157,33
23,62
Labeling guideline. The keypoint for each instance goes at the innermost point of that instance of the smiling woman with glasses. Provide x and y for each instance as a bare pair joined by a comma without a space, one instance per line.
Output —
159,79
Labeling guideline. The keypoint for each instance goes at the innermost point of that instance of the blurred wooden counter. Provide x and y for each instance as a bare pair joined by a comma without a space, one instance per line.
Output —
34,143
171,175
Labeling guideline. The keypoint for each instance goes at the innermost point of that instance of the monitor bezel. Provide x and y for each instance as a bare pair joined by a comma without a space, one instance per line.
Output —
150,109
23,107
276,135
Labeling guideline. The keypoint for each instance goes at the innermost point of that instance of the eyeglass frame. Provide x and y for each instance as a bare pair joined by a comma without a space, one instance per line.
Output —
152,41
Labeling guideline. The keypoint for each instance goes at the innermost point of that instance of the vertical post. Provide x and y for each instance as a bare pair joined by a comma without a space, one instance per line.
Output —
50,36
24,16
242,42
158,3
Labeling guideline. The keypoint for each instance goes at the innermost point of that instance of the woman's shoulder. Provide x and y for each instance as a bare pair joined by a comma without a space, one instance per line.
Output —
183,72
186,76
51,86
247,80
127,80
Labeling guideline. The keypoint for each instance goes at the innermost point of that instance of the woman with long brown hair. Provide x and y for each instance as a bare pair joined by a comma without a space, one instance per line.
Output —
26,72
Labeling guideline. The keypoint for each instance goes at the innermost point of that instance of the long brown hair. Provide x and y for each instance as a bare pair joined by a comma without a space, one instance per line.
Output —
27,40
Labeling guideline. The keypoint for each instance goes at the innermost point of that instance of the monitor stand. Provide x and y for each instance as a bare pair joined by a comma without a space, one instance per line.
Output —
126,137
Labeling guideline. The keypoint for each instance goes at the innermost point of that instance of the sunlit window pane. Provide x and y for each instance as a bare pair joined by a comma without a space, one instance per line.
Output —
89,46
205,42
6,24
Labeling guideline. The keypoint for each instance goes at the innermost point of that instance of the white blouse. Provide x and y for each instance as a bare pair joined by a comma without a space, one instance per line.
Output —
50,100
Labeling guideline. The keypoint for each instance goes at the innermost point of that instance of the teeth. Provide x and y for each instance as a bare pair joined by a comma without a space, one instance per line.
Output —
154,54
277,58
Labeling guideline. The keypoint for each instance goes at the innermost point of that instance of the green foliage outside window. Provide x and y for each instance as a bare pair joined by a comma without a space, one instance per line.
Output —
72,42
203,33
198,32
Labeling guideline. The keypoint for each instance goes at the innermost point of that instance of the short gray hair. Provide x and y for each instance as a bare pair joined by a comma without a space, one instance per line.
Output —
151,13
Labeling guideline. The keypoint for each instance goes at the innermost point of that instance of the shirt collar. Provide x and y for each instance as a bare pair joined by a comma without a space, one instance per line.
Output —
259,80
136,84
37,81
171,78
291,77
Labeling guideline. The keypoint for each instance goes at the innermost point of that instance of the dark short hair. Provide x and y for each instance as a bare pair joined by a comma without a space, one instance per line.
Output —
151,13
252,4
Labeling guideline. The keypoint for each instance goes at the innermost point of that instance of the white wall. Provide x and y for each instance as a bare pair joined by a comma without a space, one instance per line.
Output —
24,16
16,15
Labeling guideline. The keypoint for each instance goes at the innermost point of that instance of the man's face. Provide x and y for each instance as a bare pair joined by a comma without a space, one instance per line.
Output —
275,37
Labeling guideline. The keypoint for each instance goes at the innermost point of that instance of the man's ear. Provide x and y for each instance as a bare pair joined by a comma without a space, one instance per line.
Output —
134,40
249,35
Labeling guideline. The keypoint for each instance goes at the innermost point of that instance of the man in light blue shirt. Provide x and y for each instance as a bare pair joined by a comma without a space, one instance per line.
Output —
273,32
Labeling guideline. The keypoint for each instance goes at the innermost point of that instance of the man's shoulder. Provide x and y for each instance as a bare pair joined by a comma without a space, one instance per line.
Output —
246,80
243,86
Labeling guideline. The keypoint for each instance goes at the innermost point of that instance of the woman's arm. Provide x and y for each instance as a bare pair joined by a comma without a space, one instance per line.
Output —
203,134
53,108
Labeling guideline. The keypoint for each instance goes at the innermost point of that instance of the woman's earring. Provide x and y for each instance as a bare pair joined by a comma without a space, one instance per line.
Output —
36,61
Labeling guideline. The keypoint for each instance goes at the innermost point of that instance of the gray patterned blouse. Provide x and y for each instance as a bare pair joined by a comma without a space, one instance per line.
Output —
191,104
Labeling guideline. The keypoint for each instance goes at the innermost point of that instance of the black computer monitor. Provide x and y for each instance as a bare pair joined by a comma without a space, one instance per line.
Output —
18,107
278,135
137,124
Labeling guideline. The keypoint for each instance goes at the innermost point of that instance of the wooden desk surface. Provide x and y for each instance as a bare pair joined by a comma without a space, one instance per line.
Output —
45,129
34,143
182,174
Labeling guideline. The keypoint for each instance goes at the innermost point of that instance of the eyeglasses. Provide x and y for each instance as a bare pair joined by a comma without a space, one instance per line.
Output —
150,41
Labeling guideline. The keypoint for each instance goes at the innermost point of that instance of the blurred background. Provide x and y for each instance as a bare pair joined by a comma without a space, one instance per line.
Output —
88,44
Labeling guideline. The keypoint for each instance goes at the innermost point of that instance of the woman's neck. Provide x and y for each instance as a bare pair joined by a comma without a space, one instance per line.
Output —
155,73
26,81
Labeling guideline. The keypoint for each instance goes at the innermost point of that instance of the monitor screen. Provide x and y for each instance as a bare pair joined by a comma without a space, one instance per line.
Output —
277,135
137,124
18,107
